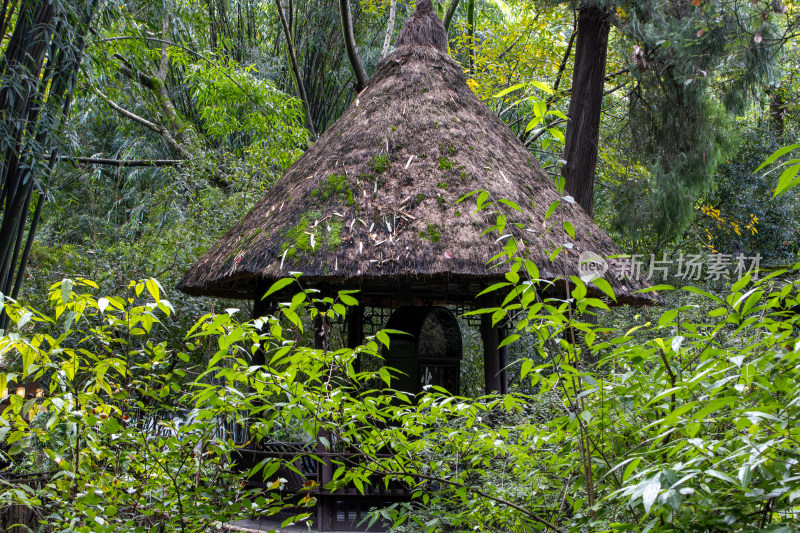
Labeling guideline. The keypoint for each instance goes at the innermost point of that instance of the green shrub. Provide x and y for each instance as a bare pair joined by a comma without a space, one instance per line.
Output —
682,426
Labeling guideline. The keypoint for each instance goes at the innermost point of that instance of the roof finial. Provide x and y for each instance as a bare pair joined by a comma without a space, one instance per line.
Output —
423,29
425,6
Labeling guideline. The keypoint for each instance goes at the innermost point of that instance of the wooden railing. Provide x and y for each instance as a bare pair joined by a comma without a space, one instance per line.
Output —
18,518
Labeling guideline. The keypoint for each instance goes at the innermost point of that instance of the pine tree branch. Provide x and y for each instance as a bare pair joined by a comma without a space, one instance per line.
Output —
617,73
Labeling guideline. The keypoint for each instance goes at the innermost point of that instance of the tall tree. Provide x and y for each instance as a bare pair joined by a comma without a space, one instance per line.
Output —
585,106
38,69
675,51
350,45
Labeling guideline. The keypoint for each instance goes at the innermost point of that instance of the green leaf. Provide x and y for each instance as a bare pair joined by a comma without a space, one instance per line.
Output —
787,180
745,475
569,228
579,291
509,90
533,123
527,366
557,134
153,288
481,201
702,293
604,286
712,406
650,492
508,340
741,283
297,300
542,86
557,113
278,285
777,154
383,338
720,475
552,209
510,204
674,415
657,288
24,319
464,197
348,300
493,288
66,289
630,468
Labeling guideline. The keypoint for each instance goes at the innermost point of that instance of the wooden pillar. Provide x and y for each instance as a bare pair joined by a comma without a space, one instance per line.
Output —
355,325
261,308
319,333
355,330
491,353
326,505
502,333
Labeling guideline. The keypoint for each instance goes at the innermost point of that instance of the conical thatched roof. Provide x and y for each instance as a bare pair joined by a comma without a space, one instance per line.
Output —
373,202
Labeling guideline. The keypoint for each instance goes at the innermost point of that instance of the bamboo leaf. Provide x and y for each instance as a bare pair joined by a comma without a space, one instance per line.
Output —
777,154
510,204
552,209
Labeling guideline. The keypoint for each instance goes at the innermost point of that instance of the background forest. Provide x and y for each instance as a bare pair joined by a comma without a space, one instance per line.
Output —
135,133
192,109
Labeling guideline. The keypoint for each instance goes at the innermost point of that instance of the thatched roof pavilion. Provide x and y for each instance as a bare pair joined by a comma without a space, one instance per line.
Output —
371,204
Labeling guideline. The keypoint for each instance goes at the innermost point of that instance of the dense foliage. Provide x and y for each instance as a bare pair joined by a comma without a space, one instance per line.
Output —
135,133
688,423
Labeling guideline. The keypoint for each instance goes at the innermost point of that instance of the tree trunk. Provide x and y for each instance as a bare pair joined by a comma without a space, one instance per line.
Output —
34,117
471,35
586,98
777,111
301,89
387,40
350,45
448,18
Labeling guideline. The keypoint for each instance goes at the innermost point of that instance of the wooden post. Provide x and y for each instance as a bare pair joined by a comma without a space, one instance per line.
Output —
260,308
355,325
326,505
502,333
491,353
355,330
319,333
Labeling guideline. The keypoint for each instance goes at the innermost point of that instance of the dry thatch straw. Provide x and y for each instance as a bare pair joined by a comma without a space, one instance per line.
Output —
372,204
